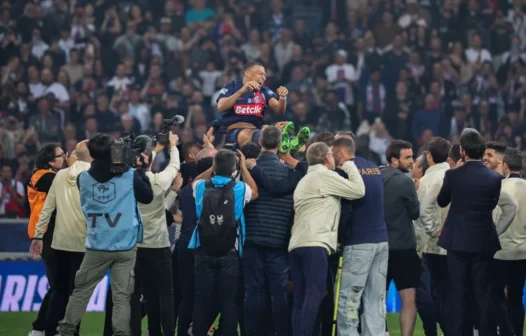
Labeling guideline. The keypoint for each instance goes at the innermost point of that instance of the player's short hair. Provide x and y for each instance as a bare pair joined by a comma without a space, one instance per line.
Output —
250,65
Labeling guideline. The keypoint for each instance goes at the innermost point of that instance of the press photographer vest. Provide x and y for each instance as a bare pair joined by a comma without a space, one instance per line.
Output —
113,221
36,199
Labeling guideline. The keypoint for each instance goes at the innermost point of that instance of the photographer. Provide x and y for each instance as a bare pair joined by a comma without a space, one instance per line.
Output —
218,240
114,227
154,263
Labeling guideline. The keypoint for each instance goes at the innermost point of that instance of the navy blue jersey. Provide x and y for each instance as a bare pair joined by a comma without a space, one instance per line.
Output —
363,220
249,108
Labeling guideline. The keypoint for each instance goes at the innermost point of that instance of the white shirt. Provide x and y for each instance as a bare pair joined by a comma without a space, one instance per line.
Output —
335,71
475,56
58,90
142,113
153,214
283,53
39,48
66,46
209,79
37,89
7,197
119,84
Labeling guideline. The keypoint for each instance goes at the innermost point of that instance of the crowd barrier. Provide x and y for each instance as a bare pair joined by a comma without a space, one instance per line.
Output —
23,283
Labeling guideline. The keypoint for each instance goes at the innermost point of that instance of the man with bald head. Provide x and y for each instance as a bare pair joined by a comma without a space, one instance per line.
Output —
70,231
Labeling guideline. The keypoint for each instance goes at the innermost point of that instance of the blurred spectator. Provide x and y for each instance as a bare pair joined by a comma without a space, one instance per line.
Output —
12,195
71,69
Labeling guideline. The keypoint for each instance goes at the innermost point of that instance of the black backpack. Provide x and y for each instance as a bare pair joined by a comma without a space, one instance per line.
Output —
217,225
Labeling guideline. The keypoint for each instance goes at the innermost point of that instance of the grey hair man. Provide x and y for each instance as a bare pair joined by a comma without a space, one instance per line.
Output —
315,230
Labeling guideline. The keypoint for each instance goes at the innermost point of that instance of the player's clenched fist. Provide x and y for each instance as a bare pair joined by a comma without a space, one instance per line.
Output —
250,86
282,92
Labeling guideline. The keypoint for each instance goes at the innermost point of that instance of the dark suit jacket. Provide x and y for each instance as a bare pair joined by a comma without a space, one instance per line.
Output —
473,191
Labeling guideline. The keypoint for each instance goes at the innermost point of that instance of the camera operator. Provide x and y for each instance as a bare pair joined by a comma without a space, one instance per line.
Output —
108,201
153,270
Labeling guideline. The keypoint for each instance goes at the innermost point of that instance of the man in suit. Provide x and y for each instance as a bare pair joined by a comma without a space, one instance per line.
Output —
469,234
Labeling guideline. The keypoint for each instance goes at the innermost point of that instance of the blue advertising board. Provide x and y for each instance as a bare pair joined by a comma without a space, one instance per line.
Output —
23,285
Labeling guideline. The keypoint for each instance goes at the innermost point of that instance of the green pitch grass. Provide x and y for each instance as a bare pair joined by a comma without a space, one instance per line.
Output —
19,324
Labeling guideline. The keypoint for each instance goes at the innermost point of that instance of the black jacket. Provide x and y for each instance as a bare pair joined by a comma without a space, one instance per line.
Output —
473,191
401,208
268,220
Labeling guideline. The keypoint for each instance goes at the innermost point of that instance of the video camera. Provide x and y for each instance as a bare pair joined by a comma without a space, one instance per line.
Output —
164,135
126,150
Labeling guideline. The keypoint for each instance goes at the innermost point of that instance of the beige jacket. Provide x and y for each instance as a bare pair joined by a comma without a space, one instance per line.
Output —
432,217
317,205
70,222
504,212
513,240
153,215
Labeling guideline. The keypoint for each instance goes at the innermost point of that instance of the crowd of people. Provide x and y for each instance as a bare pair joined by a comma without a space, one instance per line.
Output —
340,80
261,235
70,69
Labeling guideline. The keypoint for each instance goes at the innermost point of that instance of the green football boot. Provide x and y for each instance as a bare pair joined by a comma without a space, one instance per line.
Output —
286,134
300,140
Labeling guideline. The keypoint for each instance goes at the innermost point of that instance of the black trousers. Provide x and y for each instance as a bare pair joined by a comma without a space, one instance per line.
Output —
240,304
437,266
515,292
509,312
216,285
176,285
500,310
468,269
68,263
185,275
154,280
50,263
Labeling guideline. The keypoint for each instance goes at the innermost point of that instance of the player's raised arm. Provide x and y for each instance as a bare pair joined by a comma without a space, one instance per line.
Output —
279,104
227,98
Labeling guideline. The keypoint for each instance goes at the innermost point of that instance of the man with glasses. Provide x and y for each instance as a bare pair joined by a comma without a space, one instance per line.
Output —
50,159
